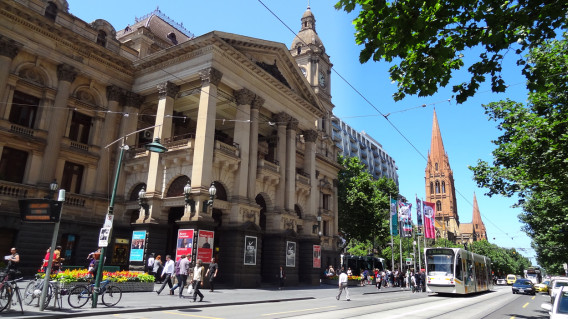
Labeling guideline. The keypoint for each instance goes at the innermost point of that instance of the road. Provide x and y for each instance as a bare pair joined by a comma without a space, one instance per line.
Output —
498,304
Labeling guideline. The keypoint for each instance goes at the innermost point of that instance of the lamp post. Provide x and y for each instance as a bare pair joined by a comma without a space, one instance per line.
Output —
154,147
187,196
53,187
142,201
212,193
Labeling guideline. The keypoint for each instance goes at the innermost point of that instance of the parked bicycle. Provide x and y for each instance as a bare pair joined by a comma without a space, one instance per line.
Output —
33,291
79,295
9,287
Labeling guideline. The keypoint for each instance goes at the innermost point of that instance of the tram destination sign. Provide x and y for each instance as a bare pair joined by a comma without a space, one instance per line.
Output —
39,210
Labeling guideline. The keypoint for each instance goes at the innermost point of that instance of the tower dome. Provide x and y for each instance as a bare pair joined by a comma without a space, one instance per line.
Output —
308,35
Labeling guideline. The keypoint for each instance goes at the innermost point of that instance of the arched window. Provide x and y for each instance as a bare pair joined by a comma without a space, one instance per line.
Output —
51,11
172,37
299,48
438,206
436,166
443,187
437,187
176,187
102,38
431,188
298,211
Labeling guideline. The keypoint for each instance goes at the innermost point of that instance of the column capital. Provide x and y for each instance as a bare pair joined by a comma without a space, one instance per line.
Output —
310,135
281,118
114,93
133,99
167,89
257,102
66,73
293,124
8,47
244,96
210,75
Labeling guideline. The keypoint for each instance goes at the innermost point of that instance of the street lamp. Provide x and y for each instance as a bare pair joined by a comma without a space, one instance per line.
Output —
188,200
212,192
53,187
142,201
154,147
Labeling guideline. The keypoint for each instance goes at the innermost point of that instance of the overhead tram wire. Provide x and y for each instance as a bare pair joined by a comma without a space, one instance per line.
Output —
376,109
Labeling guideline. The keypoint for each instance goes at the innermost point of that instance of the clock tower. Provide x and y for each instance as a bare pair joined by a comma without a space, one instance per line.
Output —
309,52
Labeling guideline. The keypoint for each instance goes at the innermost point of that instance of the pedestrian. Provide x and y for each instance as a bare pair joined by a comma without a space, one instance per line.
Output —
45,262
183,273
176,274
212,274
12,268
166,276
418,284
349,272
343,285
197,280
92,258
423,280
57,260
157,270
150,264
281,277
378,279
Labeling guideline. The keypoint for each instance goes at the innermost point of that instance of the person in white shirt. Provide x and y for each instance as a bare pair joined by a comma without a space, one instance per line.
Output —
197,280
167,274
343,285
151,264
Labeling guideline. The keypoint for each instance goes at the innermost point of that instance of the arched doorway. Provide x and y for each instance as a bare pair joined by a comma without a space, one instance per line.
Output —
175,213
265,271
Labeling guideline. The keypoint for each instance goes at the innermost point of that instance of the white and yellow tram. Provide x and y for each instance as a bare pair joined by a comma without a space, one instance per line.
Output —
457,271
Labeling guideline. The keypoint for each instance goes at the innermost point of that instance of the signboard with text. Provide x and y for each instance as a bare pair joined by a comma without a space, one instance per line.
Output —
39,210
205,245
137,245
317,256
184,243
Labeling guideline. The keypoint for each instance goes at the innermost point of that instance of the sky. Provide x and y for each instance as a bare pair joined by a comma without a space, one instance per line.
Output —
466,130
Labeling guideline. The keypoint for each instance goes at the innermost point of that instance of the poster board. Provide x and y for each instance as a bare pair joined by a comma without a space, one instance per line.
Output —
184,244
251,244
290,254
205,245
137,246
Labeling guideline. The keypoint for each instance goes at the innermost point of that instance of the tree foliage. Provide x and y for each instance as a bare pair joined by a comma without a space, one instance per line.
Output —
504,261
428,39
531,156
363,203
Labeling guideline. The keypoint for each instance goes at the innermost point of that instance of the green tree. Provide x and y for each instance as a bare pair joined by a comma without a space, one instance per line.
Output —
504,261
531,156
363,203
429,39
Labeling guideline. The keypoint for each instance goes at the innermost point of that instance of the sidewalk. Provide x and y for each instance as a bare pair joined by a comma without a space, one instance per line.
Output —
150,301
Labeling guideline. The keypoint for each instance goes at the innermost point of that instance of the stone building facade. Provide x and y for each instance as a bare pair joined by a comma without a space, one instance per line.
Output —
235,112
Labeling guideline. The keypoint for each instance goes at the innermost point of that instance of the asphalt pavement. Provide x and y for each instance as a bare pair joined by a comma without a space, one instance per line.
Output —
150,301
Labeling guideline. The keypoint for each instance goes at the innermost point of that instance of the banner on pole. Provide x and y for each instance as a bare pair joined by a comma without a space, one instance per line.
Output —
394,217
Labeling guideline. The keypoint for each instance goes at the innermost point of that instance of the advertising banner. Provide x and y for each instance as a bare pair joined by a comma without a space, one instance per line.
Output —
137,247
184,243
290,254
250,250
317,256
205,245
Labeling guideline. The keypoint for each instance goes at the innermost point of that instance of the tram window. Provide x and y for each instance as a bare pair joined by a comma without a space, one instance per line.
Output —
440,265
459,273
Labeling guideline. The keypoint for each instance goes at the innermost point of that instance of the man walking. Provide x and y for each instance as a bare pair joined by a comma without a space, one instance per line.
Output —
197,280
150,264
212,273
183,273
167,274
343,285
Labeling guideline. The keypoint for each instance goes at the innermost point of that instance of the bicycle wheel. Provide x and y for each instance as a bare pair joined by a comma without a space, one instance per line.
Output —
33,291
78,296
112,296
5,296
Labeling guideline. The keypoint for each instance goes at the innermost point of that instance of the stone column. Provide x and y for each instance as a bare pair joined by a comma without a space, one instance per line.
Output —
8,51
311,136
242,134
281,120
253,162
290,192
66,75
167,92
114,94
128,124
201,174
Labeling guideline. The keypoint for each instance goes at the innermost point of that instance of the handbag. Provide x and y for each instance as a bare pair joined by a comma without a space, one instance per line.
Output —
190,289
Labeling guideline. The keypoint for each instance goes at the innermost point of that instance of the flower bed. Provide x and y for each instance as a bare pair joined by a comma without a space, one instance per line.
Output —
128,281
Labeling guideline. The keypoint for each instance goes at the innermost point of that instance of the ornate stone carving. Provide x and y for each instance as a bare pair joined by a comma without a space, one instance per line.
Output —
133,99
8,47
257,103
293,124
244,96
66,73
289,223
210,75
248,215
281,118
167,89
310,135
114,93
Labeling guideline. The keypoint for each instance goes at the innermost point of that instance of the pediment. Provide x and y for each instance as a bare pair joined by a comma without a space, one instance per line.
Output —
274,59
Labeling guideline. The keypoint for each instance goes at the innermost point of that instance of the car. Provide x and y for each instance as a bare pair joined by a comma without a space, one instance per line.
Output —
559,308
511,279
523,286
542,287
555,286
501,281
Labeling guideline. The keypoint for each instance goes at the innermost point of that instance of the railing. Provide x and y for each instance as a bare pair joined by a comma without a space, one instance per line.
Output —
13,190
79,146
226,148
22,130
302,179
74,200
268,166
179,141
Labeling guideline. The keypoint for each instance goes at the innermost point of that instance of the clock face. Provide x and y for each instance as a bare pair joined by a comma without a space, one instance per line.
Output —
304,72
322,79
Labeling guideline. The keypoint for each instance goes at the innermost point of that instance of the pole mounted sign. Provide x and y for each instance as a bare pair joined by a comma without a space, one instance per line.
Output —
39,210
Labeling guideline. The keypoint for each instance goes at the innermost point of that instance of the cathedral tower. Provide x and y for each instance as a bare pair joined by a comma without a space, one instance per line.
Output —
478,226
440,186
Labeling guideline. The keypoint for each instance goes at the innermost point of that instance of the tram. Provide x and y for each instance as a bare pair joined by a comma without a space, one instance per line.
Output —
457,271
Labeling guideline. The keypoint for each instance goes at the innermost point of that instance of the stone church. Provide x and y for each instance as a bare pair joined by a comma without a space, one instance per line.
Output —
440,189
248,117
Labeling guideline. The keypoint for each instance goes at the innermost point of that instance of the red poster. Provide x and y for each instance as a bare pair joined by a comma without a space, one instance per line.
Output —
205,245
184,243
317,256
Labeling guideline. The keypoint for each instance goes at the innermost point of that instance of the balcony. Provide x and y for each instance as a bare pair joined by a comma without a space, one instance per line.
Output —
22,130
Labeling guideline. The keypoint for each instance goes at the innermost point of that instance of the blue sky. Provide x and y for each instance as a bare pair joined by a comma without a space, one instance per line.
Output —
466,131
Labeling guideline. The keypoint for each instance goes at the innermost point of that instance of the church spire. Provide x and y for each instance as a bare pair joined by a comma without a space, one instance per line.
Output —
437,145
477,222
